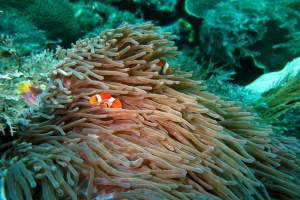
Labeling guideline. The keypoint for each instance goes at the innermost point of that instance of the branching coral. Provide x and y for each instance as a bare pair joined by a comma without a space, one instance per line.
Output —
171,139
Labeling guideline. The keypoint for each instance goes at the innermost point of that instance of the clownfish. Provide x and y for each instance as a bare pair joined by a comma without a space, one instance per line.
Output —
165,68
28,93
105,100
162,67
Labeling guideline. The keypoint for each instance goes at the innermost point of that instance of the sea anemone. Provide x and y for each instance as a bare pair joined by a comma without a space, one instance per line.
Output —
171,140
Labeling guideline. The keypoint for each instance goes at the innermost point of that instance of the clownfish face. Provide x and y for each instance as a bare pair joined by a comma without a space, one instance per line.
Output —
105,100
28,93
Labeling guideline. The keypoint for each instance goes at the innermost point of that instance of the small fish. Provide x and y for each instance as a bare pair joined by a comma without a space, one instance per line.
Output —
105,100
165,68
162,67
28,93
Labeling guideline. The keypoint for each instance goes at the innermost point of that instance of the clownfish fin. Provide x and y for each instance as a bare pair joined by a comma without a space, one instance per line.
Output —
104,105
116,104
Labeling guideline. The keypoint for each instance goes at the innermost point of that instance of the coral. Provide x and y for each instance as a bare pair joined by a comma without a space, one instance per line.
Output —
171,140
282,97
267,31
269,57
278,94
270,80
167,6
87,16
55,17
187,27
197,8
291,123
34,68
218,79
232,28
281,42
25,36
113,17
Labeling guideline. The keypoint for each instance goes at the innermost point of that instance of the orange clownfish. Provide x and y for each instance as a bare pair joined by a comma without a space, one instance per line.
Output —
28,93
105,100
165,68
162,67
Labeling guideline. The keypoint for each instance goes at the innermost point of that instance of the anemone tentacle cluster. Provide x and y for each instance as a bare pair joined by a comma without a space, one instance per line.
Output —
171,140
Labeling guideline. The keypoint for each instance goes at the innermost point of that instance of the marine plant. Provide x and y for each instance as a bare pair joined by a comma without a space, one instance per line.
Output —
171,140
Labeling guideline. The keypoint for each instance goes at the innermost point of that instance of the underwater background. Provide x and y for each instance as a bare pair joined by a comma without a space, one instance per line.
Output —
243,56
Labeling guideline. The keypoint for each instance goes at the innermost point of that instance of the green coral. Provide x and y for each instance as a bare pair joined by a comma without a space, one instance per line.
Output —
184,24
26,37
187,27
197,8
167,6
228,30
112,17
87,16
33,68
55,17
267,31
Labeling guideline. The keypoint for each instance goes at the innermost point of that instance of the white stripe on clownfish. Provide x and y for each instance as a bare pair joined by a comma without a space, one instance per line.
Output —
165,68
110,101
99,99
105,100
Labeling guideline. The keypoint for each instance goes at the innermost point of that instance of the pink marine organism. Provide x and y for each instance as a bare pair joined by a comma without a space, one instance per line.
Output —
28,93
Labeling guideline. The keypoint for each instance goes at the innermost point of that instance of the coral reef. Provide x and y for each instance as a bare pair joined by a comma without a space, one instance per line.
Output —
271,80
277,97
197,8
25,36
266,31
172,139
110,17
231,29
15,69
167,6
55,17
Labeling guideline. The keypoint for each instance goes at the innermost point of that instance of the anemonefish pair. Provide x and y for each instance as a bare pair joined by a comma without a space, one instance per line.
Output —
162,67
28,93
105,100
